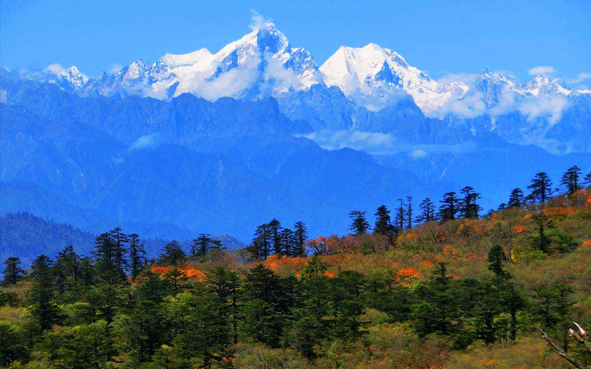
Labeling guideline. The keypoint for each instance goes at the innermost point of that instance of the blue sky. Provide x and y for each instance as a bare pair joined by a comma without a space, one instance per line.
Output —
440,37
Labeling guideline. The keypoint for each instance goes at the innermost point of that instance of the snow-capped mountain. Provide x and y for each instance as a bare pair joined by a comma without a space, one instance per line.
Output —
260,64
70,79
374,77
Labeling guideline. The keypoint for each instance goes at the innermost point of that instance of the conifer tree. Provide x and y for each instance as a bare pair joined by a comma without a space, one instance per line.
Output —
449,207
383,225
571,180
516,199
275,229
65,269
300,235
469,208
360,225
587,180
427,211
409,212
137,252
173,254
110,263
496,259
288,241
261,243
541,239
202,245
12,271
41,297
541,188
400,215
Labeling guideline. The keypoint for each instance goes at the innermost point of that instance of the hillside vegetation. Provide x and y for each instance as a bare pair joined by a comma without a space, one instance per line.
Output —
456,291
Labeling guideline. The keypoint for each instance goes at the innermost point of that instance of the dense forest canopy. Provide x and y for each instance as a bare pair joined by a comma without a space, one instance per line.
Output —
427,285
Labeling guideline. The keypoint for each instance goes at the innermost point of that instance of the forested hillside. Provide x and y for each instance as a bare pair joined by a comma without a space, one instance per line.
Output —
433,286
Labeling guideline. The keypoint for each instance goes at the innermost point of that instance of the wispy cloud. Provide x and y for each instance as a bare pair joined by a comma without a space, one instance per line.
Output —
543,69
146,142
115,68
580,78
55,69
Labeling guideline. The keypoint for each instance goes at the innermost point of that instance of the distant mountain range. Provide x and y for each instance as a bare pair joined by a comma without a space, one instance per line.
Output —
220,143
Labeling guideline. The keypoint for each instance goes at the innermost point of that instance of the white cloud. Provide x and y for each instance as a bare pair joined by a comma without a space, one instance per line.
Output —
467,78
370,142
541,70
550,106
418,154
580,78
376,143
55,69
147,141
115,68
258,21
470,106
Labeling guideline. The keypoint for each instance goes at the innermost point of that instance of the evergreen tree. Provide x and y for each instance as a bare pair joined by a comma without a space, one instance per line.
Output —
301,235
224,285
587,180
203,245
261,243
172,254
288,241
400,215
496,259
383,225
65,269
541,188
449,207
468,206
516,199
137,259
110,264
360,224
275,229
12,271
427,211
571,180
409,212
265,308
41,296
540,238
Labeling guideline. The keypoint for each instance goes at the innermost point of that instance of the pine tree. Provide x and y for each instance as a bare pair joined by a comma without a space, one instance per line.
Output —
541,239
172,254
12,271
137,259
409,212
449,207
383,225
261,243
571,180
41,296
496,259
275,229
400,215
120,239
300,235
468,206
110,263
427,211
587,180
202,245
65,269
516,199
541,188
360,224
288,241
